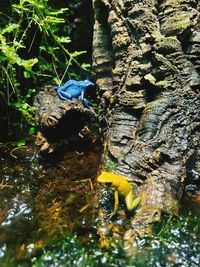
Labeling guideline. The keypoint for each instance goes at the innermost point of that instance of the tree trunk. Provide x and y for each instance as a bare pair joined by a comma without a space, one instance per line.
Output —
146,55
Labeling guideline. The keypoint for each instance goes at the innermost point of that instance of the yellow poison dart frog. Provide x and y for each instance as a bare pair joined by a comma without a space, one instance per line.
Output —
120,186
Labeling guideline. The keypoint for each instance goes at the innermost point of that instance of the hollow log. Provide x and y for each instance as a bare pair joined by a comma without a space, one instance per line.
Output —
146,56
62,123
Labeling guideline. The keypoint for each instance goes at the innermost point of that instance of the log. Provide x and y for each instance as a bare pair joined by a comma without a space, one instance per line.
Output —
62,123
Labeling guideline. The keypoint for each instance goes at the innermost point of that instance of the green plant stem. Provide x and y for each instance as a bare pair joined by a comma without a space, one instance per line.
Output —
69,62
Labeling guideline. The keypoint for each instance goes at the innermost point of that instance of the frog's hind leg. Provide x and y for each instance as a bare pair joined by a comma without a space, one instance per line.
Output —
130,202
60,96
63,95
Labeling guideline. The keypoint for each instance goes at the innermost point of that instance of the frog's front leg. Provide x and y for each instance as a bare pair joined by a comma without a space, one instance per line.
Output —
82,95
63,95
130,202
83,100
116,204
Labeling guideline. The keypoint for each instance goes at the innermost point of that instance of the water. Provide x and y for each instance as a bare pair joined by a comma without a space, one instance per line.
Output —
48,216
41,199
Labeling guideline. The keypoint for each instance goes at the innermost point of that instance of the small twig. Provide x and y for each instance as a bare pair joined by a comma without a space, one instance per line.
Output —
54,67
65,169
2,185
8,77
31,44
4,145
41,176
84,208
14,149
69,62
79,153
87,180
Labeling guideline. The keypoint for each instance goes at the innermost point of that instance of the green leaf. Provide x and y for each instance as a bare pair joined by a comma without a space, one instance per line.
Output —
86,66
27,74
19,143
29,63
10,53
3,58
20,8
78,53
10,28
63,39
51,19
31,131
57,12
18,44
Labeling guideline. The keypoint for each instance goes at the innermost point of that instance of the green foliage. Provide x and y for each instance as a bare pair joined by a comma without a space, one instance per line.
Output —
110,165
19,143
69,251
32,50
177,244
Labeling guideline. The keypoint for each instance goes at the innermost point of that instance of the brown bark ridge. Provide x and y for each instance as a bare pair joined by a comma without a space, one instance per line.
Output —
63,123
146,55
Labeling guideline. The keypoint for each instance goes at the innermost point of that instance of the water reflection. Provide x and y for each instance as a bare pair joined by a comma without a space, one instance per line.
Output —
16,210
40,199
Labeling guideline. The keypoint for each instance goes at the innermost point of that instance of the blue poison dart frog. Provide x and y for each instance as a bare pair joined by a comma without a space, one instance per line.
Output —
74,89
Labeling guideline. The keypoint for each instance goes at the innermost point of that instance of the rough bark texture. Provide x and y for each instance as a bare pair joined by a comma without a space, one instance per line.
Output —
62,124
146,55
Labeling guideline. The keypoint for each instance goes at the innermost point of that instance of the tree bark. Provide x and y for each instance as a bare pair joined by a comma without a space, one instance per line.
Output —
146,55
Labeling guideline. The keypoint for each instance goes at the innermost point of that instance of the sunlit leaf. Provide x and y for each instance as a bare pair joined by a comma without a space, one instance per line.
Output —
27,74
11,27
19,8
78,53
28,64
19,143
31,131
51,19
57,12
63,39
86,66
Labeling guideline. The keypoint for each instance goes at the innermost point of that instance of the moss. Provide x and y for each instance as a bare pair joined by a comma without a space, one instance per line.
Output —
110,165
176,242
177,23
165,63
181,21
167,45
